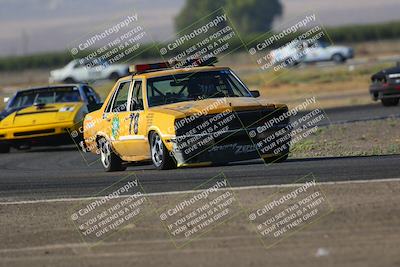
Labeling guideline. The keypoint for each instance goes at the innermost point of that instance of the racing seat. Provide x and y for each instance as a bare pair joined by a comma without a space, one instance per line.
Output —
194,89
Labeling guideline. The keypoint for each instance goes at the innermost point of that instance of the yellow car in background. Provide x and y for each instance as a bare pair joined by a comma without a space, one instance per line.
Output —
45,116
179,117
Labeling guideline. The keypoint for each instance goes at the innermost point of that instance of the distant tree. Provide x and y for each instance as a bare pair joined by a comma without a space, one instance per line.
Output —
253,16
195,10
250,16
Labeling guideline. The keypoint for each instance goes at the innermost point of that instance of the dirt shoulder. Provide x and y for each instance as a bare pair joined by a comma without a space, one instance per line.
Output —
380,137
361,230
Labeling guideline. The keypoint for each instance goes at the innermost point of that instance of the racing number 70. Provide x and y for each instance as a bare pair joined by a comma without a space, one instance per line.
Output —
135,121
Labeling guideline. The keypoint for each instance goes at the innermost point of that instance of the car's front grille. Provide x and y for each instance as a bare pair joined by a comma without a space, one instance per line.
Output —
242,119
47,131
258,117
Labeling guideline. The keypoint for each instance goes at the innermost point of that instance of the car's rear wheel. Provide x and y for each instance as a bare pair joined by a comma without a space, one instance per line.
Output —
69,80
338,58
159,153
390,102
110,161
4,148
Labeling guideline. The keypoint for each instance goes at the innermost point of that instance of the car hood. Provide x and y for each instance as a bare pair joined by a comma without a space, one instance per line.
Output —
118,66
48,114
56,72
213,106
4,113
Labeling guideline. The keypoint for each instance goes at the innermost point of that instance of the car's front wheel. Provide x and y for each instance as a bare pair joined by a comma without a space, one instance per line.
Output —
4,148
110,161
277,159
159,153
114,76
390,102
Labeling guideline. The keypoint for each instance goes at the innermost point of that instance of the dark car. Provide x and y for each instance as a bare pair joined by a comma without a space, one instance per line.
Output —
386,86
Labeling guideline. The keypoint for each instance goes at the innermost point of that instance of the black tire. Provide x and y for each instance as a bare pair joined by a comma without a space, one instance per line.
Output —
4,148
338,58
114,76
69,80
160,155
220,164
277,159
110,161
390,102
24,147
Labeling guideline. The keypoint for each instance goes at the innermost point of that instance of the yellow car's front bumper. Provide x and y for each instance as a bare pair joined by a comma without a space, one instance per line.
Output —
38,132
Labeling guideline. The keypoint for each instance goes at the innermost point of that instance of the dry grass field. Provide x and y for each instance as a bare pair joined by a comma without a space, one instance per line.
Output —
333,85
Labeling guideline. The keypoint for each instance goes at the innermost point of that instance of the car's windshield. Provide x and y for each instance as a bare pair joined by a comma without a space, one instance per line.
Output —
194,86
46,96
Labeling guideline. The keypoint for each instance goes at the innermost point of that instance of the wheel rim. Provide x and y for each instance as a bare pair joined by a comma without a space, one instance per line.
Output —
105,154
337,58
157,150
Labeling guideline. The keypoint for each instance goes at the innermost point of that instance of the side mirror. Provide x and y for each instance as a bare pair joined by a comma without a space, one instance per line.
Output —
6,99
39,105
255,93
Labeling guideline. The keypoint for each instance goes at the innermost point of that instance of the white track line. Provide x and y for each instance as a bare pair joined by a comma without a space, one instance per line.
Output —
196,191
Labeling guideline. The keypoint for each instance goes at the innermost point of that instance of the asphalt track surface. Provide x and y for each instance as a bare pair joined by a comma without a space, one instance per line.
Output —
46,173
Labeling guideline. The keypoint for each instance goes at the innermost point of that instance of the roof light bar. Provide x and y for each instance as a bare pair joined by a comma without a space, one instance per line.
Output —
141,68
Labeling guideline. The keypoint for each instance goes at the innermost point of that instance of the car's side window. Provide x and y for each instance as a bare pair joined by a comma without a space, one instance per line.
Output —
109,104
137,98
119,101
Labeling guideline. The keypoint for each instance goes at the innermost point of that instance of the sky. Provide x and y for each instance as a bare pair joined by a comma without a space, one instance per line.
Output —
30,26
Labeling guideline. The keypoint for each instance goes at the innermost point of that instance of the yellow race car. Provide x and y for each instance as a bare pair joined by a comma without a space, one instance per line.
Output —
45,116
180,116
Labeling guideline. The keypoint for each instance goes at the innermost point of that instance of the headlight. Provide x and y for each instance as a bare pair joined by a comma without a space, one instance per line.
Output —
66,109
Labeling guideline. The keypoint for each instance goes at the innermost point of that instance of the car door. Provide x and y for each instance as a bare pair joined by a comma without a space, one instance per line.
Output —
132,137
317,52
97,70
79,72
115,113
